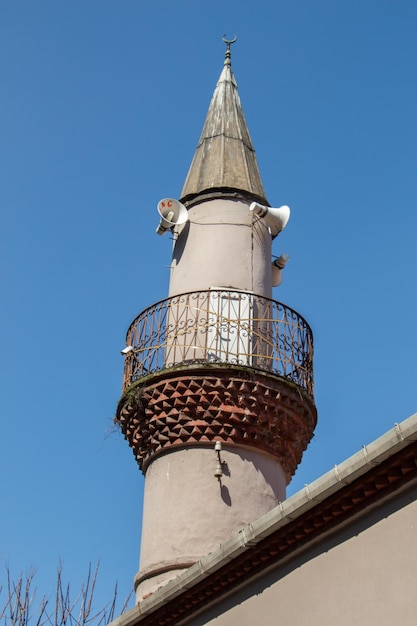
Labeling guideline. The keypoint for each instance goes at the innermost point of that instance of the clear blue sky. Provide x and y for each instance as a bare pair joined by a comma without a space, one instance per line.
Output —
102,105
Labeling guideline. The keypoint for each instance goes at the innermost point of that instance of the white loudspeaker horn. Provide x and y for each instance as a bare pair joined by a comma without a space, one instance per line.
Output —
276,219
277,267
172,213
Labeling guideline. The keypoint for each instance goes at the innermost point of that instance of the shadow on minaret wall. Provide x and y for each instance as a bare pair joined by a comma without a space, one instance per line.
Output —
225,494
180,243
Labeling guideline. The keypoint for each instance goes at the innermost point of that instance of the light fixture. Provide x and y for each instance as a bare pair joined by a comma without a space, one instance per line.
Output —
127,350
218,472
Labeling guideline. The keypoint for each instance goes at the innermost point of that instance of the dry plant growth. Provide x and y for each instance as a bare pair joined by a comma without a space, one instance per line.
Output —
19,605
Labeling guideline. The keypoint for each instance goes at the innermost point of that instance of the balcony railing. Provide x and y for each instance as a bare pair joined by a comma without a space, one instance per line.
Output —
221,326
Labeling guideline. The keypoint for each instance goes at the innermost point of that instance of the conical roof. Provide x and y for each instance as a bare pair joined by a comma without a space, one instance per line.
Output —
224,162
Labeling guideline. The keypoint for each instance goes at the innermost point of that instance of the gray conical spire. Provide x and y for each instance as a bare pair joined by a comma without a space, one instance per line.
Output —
224,162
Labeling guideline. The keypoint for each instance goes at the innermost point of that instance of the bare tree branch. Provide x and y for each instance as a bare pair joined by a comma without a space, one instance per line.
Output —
19,607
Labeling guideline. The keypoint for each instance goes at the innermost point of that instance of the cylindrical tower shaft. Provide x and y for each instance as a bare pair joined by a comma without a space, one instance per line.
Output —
222,245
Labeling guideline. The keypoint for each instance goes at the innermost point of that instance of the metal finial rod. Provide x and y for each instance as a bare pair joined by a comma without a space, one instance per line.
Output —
228,43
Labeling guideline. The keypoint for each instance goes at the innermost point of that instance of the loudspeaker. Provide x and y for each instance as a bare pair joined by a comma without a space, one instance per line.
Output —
276,219
172,213
277,267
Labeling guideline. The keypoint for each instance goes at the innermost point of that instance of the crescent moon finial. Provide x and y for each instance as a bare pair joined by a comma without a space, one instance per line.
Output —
228,43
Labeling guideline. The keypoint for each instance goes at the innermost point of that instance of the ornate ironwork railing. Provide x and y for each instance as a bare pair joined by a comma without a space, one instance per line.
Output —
220,326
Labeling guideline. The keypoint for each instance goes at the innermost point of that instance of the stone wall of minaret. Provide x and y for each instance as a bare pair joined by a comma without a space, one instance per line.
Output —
222,245
234,366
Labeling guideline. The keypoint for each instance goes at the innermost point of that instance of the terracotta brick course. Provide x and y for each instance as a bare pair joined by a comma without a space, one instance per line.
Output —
198,407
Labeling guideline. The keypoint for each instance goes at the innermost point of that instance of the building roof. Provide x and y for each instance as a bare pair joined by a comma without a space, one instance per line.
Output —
224,161
346,492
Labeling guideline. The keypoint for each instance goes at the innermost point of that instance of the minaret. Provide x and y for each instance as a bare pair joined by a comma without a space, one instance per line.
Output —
217,400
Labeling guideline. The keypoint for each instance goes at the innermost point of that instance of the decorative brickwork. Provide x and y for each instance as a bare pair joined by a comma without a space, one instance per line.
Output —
202,406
